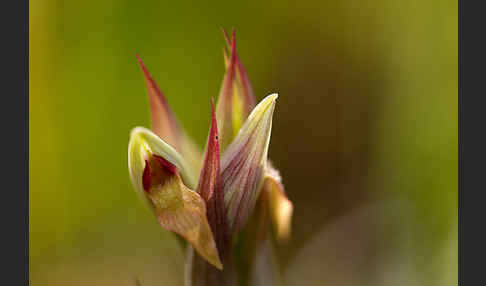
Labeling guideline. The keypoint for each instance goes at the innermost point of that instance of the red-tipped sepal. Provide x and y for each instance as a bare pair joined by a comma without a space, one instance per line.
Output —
165,123
236,99
242,80
210,188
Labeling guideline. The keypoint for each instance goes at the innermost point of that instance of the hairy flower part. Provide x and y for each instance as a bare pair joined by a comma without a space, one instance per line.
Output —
244,162
236,99
154,168
165,123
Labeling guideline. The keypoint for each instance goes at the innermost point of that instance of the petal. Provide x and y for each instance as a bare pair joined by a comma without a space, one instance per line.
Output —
209,187
154,168
236,98
165,124
244,162
279,206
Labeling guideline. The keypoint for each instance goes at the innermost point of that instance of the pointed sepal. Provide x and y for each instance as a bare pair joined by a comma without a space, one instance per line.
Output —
243,84
157,172
244,162
165,123
236,99
210,188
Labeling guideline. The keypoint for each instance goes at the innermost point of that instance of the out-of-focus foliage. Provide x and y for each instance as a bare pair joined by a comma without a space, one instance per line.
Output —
365,134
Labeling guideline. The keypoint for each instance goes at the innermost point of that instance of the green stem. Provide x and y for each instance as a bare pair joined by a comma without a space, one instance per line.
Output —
200,273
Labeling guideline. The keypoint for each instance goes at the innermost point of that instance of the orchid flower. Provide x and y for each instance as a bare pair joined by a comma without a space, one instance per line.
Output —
219,200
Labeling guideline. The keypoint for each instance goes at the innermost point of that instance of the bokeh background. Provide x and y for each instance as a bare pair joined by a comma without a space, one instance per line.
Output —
365,132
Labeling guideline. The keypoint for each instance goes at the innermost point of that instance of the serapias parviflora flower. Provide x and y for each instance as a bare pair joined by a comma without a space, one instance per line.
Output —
208,199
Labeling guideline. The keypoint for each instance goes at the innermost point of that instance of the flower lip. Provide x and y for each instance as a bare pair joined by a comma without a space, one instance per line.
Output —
157,172
168,166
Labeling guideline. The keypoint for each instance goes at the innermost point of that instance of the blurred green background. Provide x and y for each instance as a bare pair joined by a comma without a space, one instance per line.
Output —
365,132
